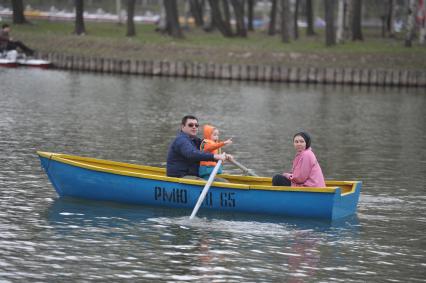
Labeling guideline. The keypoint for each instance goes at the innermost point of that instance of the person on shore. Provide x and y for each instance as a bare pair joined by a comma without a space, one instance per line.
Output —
211,144
306,170
8,44
184,155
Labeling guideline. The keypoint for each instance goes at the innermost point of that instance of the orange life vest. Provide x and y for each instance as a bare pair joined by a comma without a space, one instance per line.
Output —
208,145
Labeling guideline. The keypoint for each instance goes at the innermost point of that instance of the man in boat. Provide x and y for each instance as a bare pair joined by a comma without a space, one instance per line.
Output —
184,155
8,44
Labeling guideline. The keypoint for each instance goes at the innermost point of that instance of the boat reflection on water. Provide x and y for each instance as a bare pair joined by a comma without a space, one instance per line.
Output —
67,210
81,212
213,241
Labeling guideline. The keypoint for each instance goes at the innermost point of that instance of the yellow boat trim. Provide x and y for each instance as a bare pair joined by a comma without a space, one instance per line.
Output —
156,173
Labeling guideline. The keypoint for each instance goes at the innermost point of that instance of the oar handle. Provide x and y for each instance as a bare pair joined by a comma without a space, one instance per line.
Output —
242,167
205,189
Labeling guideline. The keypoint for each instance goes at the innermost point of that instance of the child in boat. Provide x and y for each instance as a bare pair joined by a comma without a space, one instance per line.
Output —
306,169
211,144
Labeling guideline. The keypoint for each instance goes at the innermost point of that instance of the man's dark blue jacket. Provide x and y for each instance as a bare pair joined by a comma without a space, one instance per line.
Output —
184,156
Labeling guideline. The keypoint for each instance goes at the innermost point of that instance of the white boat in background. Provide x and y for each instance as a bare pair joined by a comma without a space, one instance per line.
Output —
8,63
9,59
34,63
12,59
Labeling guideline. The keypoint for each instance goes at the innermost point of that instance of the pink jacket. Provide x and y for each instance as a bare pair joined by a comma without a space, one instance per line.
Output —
306,170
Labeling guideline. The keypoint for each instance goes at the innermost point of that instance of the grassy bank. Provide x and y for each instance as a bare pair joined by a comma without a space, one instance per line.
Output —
108,40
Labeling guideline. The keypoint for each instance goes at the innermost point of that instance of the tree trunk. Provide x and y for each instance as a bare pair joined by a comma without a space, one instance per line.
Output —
296,19
186,14
118,11
208,20
79,19
310,18
273,18
18,12
421,8
356,20
197,12
217,19
161,26
250,14
285,17
391,18
130,14
265,15
238,6
348,19
410,25
172,19
330,34
226,14
340,21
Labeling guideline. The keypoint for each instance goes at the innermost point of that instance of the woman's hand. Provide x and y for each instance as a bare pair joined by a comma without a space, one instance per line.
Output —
288,175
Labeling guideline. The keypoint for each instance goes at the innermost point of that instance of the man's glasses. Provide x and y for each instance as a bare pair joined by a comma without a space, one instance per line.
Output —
191,125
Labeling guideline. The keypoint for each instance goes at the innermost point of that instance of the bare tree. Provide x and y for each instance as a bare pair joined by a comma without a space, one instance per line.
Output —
217,19
285,17
118,11
348,19
340,21
296,19
410,25
196,7
79,28
273,18
18,12
226,14
310,18
391,18
356,20
250,14
172,19
238,6
130,15
330,34
421,8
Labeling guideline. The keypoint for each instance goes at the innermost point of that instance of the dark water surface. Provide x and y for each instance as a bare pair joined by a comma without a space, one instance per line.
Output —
376,135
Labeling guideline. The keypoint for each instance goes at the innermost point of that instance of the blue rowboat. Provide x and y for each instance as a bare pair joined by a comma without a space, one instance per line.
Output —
105,180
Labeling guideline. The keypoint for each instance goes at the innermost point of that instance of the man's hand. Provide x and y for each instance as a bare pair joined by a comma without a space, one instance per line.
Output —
223,156
229,157
220,156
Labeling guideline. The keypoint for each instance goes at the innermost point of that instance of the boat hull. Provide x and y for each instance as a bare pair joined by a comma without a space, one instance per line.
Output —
35,63
75,181
8,63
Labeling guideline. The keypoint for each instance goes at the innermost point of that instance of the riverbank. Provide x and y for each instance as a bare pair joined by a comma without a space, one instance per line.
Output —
106,41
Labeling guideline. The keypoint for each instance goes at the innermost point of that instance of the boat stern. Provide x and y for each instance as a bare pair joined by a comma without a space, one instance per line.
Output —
345,202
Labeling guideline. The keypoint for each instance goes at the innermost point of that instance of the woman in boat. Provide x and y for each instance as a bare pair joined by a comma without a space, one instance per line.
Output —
306,170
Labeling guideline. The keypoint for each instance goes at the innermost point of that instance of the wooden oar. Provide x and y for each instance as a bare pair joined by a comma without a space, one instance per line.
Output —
205,189
242,167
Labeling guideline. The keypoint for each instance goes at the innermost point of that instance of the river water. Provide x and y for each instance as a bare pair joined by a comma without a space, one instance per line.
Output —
376,135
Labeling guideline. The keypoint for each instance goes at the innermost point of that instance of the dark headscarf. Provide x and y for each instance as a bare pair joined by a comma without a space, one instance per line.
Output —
306,137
